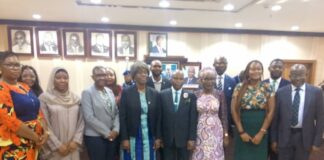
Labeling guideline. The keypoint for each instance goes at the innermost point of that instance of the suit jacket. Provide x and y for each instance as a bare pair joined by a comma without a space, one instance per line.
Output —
98,49
99,120
156,52
313,117
130,112
121,51
194,80
53,47
165,83
229,86
179,126
283,82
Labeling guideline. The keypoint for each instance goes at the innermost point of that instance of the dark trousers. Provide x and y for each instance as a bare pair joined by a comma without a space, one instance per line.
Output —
295,149
175,153
100,148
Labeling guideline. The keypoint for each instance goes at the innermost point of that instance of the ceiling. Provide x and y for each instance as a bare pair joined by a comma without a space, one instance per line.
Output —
253,14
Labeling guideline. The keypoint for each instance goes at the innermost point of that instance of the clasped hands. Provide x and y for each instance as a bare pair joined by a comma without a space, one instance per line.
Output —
65,149
112,135
255,140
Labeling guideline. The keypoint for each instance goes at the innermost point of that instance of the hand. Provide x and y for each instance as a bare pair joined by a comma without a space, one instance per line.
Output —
274,146
157,144
315,149
190,145
126,145
63,150
245,137
257,138
42,140
226,141
72,146
113,135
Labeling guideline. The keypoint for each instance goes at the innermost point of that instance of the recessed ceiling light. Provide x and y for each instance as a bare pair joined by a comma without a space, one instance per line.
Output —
294,28
164,4
228,7
37,16
238,25
276,8
95,1
104,19
173,22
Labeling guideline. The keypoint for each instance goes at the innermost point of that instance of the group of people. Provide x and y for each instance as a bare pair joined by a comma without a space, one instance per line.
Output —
152,117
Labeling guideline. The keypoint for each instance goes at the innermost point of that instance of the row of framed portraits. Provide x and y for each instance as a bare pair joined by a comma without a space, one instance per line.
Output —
82,42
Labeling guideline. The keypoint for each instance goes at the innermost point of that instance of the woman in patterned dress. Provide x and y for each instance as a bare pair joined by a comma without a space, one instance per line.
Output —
22,128
252,109
212,119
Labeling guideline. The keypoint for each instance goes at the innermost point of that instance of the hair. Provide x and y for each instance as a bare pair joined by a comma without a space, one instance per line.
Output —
37,89
138,65
158,38
246,81
202,73
94,69
126,36
277,60
5,55
114,87
61,70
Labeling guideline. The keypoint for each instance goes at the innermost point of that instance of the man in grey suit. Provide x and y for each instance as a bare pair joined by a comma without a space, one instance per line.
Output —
297,126
101,117
179,120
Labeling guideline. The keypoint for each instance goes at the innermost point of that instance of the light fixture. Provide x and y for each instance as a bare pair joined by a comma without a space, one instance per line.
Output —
95,1
173,22
238,25
105,19
37,16
228,7
294,28
164,4
276,8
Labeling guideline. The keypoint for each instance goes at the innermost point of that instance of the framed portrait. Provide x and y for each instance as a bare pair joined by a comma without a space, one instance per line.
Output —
125,45
100,43
158,46
168,68
48,42
191,67
21,40
74,43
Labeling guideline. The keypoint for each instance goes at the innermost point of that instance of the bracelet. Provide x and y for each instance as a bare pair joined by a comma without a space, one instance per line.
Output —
263,130
242,132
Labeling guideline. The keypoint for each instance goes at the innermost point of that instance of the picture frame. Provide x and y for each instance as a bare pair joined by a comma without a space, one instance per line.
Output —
100,44
168,67
74,43
48,42
21,40
125,45
158,44
195,65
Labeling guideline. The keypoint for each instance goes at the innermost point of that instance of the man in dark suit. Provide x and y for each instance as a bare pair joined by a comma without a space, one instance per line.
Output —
226,84
297,127
276,68
191,79
158,50
179,120
99,46
126,46
156,81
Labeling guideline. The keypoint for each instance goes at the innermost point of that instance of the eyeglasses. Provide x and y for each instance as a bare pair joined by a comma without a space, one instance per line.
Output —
12,65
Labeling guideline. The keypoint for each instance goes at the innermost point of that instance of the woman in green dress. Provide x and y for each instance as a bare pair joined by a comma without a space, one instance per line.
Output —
252,107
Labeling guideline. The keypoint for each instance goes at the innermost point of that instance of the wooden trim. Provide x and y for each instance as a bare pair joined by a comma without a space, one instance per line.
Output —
312,72
161,29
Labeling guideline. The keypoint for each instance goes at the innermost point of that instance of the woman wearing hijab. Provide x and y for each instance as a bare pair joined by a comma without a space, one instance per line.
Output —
61,109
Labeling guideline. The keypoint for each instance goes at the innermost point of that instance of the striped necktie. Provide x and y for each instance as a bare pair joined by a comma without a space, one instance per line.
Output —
219,84
295,108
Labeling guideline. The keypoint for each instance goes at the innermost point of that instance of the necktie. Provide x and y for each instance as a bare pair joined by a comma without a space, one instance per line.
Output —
219,84
175,103
273,85
295,108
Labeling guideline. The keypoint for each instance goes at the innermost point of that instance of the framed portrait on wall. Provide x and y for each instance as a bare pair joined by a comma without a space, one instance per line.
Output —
191,72
168,68
157,44
21,40
100,43
48,42
125,45
74,42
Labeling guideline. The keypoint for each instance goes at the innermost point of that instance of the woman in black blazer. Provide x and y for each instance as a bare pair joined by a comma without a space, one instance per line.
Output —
140,117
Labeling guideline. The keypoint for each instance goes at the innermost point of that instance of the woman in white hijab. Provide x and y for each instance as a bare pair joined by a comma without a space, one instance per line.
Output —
61,109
